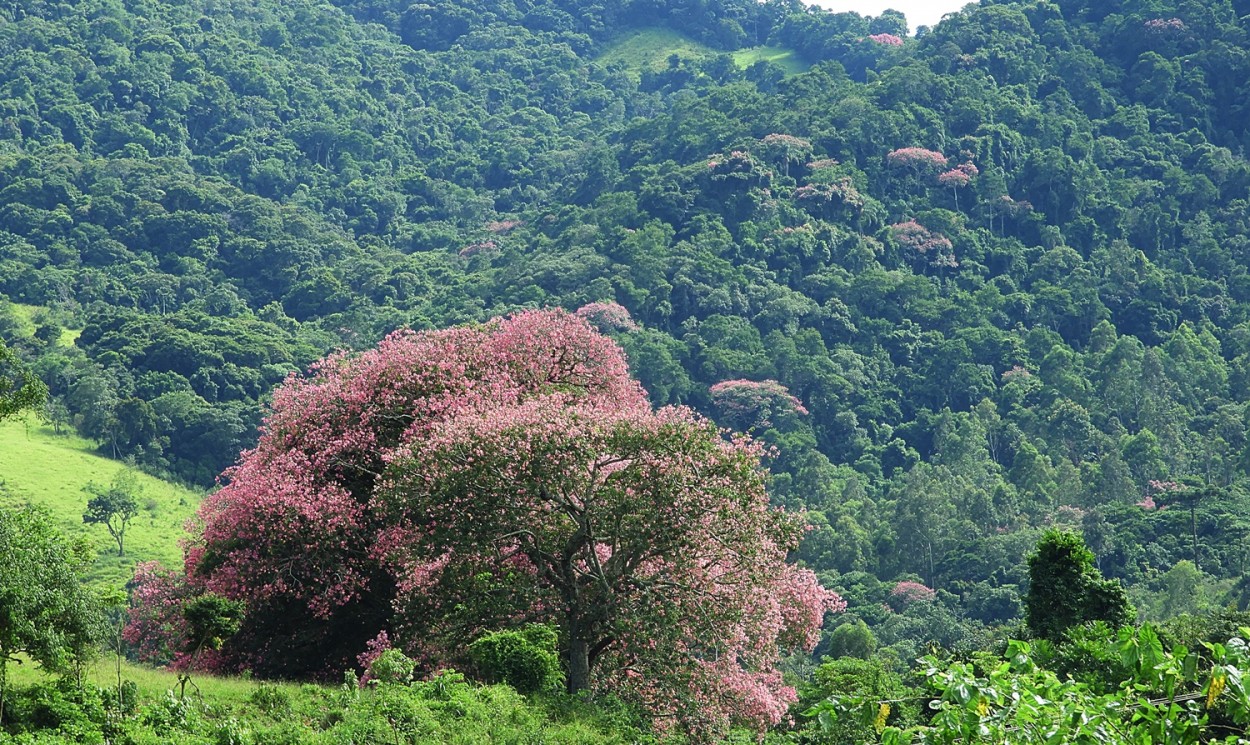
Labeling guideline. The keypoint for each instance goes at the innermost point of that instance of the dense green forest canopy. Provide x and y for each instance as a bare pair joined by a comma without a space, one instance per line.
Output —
1001,267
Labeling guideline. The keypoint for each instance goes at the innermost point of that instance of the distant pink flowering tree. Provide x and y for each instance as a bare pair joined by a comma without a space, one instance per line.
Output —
958,177
503,226
747,404
785,149
452,482
908,593
954,178
917,159
607,316
889,40
934,246
473,249
821,198
155,625
961,175
1164,25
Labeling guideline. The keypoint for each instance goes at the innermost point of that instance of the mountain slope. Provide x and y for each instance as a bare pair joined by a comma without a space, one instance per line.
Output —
1003,266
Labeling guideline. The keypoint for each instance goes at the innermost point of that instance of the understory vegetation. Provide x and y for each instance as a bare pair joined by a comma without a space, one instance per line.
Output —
446,709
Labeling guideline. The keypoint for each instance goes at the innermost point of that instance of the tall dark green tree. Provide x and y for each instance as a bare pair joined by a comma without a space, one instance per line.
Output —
1066,590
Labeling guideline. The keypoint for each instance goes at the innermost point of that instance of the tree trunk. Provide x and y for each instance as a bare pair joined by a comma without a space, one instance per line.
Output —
579,661
4,680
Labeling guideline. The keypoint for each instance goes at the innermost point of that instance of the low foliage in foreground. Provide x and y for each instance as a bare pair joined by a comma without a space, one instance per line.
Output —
445,709
1178,697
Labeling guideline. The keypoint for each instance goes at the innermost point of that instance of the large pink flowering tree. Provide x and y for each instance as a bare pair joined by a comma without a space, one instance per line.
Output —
452,482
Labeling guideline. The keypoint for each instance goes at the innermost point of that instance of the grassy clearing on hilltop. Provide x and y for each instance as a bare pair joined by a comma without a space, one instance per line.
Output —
784,58
651,48
41,468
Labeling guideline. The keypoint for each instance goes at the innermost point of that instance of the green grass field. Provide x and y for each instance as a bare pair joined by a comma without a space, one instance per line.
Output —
49,470
151,682
784,58
650,49
29,316
25,315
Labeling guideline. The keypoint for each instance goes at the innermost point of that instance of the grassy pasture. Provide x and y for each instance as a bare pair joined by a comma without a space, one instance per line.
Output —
30,316
651,48
784,58
49,470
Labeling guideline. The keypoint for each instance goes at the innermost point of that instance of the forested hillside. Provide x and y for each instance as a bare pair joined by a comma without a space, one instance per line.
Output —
972,284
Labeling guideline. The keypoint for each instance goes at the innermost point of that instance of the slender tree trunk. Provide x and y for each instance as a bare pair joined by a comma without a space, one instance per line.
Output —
1193,527
121,706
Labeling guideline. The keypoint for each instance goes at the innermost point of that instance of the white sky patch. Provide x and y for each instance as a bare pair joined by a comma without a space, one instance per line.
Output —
918,12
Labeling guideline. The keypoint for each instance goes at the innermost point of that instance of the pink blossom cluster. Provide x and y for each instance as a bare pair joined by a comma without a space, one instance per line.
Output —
1016,373
914,235
474,249
747,404
479,472
908,593
916,158
736,160
373,650
841,190
1155,488
155,621
784,141
961,175
503,226
816,165
607,316
156,628
1013,207
290,513
1164,25
889,40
